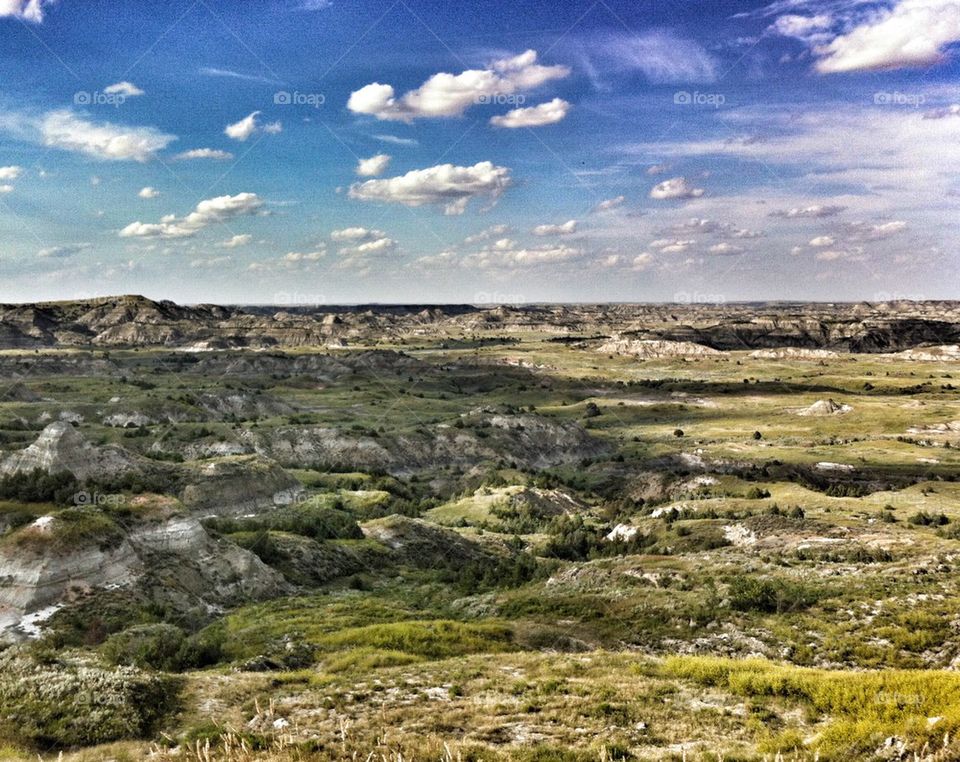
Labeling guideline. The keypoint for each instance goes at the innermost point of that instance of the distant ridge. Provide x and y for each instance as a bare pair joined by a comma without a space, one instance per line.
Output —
137,321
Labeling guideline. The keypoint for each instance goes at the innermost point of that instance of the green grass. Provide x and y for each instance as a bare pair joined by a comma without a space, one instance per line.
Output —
860,709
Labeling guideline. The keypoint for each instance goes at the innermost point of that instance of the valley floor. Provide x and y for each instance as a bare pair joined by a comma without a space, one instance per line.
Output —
479,547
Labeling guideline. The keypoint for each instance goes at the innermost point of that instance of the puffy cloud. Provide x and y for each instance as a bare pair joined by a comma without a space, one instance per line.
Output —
911,33
366,249
943,113
833,255
250,125
865,231
810,29
485,235
675,188
375,165
726,249
609,203
533,116
504,255
62,252
568,227
148,192
521,258
204,153
295,257
642,261
127,89
7,188
27,10
815,211
445,184
211,262
356,234
669,246
10,173
823,241
207,212
236,241
65,130
447,95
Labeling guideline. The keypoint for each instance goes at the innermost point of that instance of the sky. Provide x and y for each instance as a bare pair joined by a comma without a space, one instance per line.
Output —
496,151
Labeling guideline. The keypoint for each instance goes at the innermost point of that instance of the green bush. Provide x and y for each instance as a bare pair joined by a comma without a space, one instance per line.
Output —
78,704
770,596
164,647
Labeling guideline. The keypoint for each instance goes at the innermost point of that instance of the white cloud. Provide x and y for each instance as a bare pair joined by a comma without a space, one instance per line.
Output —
485,235
5,189
148,192
127,89
668,246
447,95
62,252
642,261
942,113
295,257
394,140
814,211
533,116
10,173
810,29
250,125
568,227
911,33
445,184
375,165
831,255
204,153
661,56
27,10
65,130
366,249
211,262
823,241
356,234
207,212
726,249
609,203
236,241
675,188
864,231
211,71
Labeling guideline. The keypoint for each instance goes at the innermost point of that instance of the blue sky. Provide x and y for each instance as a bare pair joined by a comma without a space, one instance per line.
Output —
289,151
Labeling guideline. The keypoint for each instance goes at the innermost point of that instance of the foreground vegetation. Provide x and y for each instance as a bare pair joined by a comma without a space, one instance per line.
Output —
490,550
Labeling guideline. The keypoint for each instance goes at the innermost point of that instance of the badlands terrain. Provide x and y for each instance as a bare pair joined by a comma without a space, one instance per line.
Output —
546,532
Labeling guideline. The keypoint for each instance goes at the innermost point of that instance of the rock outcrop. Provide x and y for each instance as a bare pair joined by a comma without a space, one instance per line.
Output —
60,447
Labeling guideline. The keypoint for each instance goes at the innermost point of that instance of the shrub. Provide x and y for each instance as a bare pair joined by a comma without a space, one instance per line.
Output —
164,647
770,596
76,704
922,518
